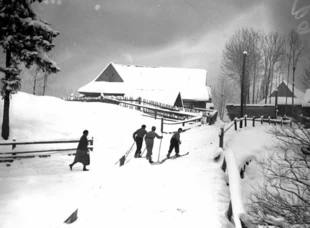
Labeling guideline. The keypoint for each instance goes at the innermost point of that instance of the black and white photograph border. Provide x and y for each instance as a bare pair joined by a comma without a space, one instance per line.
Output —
154,113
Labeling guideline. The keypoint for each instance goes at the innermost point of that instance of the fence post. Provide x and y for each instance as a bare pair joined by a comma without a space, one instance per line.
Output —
140,101
269,120
240,125
253,121
222,138
245,120
281,121
14,145
235,121
91,142
261,120
162,125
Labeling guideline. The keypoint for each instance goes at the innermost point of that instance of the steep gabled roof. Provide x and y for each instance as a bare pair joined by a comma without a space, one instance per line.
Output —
283,89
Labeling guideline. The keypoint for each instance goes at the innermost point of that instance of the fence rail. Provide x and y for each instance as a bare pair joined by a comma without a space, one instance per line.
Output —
202,119
9,155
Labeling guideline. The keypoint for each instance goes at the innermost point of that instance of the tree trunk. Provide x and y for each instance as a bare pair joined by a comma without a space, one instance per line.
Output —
44,84
267,86
271,84
34,86
6,109
6,117
288,78
254,85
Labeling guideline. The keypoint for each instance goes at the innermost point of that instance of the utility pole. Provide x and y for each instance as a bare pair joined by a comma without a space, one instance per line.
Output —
294,68
242,83
276,103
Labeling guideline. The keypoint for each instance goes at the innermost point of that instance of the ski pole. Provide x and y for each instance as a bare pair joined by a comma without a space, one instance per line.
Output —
143,152
159,150
130,149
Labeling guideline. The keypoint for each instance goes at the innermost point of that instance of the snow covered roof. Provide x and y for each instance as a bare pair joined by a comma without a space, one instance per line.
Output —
161,77
298,95
199,93
130,79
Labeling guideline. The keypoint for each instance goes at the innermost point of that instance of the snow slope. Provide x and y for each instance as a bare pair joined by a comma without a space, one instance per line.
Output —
187,192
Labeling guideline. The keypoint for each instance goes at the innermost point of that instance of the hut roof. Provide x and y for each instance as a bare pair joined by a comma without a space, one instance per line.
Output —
284,89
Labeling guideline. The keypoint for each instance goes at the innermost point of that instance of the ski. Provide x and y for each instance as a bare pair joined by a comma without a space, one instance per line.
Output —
175,157
158,163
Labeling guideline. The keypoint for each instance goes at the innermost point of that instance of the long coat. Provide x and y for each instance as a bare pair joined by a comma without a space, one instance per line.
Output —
82,154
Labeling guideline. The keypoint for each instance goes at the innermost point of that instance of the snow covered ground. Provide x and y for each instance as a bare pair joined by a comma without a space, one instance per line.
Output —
187,192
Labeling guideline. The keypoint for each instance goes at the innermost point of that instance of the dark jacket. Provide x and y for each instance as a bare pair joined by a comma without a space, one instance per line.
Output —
139,133
83,144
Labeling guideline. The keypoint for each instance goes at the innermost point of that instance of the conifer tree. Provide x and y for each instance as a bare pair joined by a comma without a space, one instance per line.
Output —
25,39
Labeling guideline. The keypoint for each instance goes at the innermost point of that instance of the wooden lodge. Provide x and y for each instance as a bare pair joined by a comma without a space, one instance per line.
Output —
185,88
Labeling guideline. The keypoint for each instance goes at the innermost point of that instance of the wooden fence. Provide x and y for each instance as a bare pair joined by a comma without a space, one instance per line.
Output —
149,107
186,124
234,183
9,156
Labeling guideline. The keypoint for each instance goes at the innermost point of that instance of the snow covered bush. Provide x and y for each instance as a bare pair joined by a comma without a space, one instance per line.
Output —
284,198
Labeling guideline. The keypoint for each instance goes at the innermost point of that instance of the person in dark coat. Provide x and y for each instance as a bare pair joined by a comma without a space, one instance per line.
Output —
138,137
174,143
82,153
149,141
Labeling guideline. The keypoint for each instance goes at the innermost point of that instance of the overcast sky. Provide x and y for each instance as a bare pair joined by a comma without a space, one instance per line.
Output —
170,33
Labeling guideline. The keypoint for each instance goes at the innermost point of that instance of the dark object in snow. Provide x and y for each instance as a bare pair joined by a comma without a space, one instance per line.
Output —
217,157
72,218
8,165
44,156
305,150
82,153
122,160
2,161
242,173
224,166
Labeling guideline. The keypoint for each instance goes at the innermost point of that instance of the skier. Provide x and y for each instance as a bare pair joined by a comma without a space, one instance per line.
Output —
174,143
149,141
138,137
82,153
